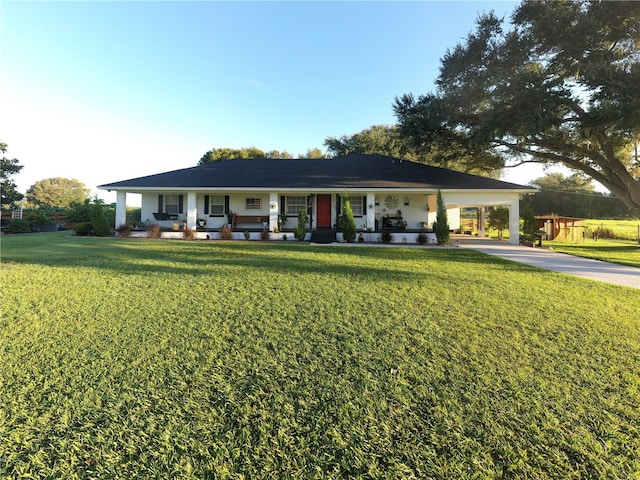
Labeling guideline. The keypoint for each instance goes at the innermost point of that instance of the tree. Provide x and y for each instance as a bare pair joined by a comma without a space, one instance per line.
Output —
559,87
278,154
441,225
572,196
57,192
348,222
9,194
378,139
313,153
499,219
388,140
217,154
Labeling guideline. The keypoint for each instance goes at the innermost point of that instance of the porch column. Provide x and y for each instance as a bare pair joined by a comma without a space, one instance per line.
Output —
121,208
481,221
371,212
514,222
192,210
274,210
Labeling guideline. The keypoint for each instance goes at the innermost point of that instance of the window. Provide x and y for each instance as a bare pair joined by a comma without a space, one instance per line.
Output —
356,206
294,204
253,204
216,206
172,204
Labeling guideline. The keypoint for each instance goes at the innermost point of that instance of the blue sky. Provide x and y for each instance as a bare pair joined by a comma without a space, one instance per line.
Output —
105,91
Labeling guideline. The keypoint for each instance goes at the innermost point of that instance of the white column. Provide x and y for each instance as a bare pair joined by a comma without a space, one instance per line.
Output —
274,210
371,212
121,208
514,222
192,210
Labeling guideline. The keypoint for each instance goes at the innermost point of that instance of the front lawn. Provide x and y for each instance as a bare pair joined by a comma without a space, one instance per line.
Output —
131,358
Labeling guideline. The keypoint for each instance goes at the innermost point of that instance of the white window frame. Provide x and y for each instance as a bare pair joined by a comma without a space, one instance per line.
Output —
172,204
216,205
294,202
357,206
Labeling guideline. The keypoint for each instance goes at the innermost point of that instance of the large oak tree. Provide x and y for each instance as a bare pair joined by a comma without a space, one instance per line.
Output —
561,85
57,192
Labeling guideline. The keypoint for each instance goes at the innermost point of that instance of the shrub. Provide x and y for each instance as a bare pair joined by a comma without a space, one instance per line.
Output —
99,220
83,229
226,233
264,234
78,212
348,223
189,234
154,231
386,237
422,238
441,225
18,225
124,230
299,231
39,218
247,235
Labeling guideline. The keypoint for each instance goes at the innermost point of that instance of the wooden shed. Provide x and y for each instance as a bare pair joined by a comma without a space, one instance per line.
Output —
560,228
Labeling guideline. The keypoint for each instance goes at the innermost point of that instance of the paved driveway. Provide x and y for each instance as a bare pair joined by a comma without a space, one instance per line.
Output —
558,262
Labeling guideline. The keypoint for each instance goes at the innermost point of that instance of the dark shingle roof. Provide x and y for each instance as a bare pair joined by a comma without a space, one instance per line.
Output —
351,171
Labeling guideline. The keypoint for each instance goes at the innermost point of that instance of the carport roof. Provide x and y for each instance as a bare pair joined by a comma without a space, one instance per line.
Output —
357,171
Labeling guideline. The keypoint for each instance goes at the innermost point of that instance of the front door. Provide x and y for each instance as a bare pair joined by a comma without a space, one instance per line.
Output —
324,211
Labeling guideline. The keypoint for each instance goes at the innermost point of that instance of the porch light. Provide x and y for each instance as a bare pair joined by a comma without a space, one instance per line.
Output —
377,201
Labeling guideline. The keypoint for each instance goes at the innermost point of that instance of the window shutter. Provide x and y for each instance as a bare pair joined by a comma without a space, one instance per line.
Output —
282,210
338,205
364,205
160,203
226,204
206,204
180,203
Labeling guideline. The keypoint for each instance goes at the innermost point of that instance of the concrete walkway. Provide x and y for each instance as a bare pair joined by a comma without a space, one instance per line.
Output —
558,262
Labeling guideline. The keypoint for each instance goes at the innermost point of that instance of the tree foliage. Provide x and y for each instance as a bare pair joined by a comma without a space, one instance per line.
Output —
499,220
572,196
378,139
9,194
313,153
57,192
217,154
389,140
558,87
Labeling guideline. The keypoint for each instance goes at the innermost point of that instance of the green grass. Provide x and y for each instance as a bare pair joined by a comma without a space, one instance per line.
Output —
625,252
621,229
171,359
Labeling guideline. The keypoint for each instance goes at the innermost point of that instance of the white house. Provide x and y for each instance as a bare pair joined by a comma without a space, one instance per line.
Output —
384,192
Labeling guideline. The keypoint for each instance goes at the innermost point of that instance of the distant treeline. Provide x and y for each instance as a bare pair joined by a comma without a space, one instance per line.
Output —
575,204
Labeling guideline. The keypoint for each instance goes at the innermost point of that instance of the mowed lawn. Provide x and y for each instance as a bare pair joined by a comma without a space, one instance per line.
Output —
132,358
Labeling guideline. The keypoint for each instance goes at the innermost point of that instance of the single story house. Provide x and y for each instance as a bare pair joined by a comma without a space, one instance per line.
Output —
384,192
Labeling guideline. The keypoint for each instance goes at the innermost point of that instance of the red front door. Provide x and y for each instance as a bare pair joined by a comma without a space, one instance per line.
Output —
324,211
